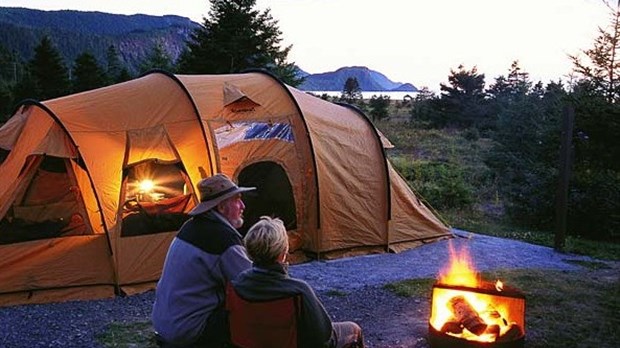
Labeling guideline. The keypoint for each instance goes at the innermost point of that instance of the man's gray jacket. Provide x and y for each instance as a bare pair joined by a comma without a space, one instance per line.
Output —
205,255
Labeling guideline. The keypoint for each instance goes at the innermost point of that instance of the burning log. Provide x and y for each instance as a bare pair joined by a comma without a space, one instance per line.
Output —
452,326
466,315
492,330
514,332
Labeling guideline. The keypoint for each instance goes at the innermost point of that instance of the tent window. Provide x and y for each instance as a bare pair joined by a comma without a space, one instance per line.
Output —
273,195
48,205
156,199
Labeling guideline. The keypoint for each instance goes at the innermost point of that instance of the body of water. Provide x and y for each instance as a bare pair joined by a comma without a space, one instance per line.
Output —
398,95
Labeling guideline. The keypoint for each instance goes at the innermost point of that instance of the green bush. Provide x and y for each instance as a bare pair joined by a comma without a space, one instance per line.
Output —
594,207
441,184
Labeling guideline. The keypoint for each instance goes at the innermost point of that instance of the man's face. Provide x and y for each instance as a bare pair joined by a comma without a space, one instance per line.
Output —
232,210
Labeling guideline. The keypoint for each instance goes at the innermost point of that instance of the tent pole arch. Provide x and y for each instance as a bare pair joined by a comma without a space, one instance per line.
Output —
50,113
215,164
316,178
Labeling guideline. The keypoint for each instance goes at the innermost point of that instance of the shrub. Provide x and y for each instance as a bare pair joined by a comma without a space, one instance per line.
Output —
594,208
441,184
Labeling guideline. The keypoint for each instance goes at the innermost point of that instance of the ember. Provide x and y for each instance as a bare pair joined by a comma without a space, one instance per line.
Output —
466,311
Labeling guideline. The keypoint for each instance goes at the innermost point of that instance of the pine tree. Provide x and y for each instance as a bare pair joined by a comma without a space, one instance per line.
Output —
379,107
462,102
351,91
601,69
157,58
115,70
87,74
48,71
236,37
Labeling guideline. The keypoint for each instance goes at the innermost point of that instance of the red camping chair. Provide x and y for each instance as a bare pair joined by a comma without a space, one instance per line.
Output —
269,324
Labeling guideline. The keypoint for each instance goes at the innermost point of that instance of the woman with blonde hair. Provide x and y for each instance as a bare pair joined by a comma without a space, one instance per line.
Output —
267,245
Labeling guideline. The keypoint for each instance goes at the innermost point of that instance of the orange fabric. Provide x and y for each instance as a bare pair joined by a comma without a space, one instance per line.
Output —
346,202
270,324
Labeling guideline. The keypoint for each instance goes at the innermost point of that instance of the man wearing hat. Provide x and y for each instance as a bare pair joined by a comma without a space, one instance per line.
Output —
206,254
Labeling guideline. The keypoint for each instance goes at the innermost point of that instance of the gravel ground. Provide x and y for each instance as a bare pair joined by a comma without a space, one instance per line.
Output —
351,289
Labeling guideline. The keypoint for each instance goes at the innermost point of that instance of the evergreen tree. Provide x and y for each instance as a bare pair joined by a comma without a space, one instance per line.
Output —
236,37
157,58
87,74
594,199
7,80
462,102
525,155
510,89
49,73
514,86
601,69
351,91
425,107
6,101
25,88
115,71
379,107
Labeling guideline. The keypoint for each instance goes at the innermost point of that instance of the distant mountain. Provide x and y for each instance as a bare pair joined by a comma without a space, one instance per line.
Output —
75,32
369,80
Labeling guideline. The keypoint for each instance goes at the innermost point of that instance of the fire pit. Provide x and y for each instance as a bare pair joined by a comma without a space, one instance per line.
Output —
469,312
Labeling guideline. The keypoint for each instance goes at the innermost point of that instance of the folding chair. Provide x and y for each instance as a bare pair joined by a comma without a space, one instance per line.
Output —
265,324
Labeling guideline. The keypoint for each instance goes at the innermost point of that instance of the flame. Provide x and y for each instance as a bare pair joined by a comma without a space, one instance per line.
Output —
460,272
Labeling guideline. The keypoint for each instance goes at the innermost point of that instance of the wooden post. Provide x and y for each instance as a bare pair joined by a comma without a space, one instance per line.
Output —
561,204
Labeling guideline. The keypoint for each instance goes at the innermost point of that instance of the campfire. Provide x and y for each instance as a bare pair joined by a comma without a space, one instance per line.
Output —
467,311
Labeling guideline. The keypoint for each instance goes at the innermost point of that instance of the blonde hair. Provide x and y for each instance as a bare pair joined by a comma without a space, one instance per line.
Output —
266,240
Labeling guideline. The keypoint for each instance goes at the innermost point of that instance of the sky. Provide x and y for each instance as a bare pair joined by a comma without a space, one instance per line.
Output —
415,41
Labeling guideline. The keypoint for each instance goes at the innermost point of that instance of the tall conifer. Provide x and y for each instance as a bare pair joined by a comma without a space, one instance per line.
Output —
236,37
49,71
87,74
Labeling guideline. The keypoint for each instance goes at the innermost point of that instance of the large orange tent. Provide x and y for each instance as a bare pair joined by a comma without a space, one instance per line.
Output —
79,221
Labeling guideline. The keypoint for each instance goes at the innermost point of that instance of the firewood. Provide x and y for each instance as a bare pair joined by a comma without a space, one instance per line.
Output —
466,315
452,327
492,330
513,333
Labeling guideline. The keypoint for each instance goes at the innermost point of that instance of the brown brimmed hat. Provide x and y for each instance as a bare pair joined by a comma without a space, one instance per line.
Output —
214,190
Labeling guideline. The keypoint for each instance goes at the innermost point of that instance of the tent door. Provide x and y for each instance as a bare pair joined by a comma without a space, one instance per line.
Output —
273,196
47,205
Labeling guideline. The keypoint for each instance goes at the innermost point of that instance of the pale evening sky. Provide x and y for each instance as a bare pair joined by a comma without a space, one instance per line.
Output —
407,40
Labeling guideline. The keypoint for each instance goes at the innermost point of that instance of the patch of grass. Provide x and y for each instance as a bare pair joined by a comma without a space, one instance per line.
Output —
563,309
479,222
412,287
128,335
590,264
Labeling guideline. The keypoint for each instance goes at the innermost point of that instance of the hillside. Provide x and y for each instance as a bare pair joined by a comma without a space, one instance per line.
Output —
369,80
74,32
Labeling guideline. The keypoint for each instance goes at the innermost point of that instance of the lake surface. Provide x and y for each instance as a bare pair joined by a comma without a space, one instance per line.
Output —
394,95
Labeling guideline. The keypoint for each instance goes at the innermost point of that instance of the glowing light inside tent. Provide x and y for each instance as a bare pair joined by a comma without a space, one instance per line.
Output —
146,185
